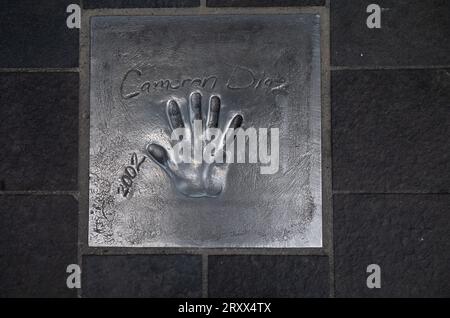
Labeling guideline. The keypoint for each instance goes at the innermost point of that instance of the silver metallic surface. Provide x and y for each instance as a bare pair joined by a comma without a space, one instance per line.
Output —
265,68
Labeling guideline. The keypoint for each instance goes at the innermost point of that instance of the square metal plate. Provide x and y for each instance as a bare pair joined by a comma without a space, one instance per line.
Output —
266,68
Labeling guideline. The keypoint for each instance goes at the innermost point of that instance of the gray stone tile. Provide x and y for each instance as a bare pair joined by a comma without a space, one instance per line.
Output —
263,3
98,4
38,240
408,236
413,32
142,276
390,130
39,131
34,33
268,276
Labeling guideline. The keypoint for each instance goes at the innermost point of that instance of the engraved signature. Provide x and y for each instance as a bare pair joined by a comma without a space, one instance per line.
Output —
134,82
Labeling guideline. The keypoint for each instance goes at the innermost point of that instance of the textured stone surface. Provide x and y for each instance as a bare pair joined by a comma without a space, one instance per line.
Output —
33,33
268,276
38,239
391,131
408,236
39,131
263,3
142,276
97,4
413,32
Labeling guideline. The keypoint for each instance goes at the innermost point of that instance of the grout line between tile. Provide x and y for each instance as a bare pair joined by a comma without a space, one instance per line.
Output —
389,193
398,67
327,213
90,250
204,275
39,192
201,10
39,70
79,244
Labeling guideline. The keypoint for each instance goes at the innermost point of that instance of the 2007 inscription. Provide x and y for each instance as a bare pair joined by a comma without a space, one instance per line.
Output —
131,171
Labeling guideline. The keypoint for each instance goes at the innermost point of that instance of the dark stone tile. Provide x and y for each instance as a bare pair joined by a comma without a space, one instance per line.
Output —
34,33
413,32
263,3
268,276
390,130
142,276
408,236
38,239
39,131
98,4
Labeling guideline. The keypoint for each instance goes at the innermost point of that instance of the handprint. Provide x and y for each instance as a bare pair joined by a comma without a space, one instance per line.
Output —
198,177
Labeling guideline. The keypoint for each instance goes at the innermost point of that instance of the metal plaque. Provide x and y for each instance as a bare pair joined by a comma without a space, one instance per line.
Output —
246,86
